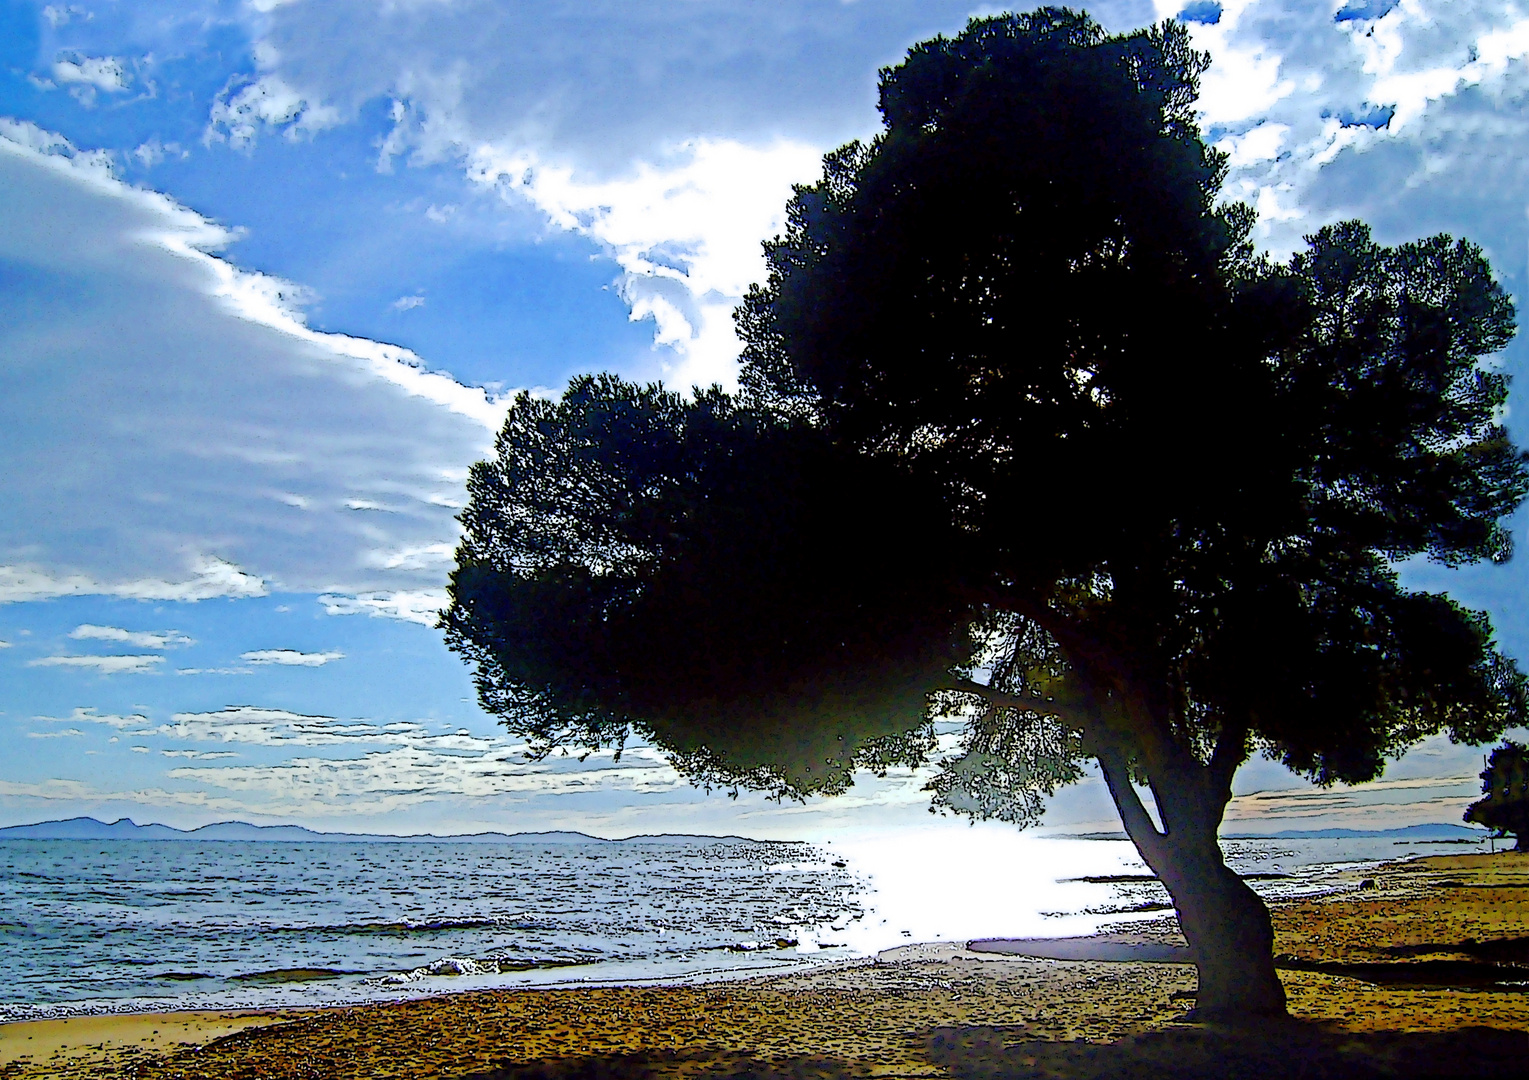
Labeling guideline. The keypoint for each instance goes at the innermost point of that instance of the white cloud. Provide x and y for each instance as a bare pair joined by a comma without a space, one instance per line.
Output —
149,153
154,402
407,303
438,556
57,15
669,134
52,790
686,233
198,755
105,665
1262,143
380,782
104,73
66,733
92,716
1378,116
389,780
1380,804
208,577
258,726
423,607
291,657
144,639
245,106
84,796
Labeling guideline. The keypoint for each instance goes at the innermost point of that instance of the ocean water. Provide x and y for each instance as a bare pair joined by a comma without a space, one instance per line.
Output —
91,926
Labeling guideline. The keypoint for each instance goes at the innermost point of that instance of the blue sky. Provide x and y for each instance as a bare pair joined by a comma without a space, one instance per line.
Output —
269,268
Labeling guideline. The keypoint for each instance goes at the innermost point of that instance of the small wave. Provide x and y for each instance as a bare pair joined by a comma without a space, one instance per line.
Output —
293,975
759,946
183,976
452,966
413,926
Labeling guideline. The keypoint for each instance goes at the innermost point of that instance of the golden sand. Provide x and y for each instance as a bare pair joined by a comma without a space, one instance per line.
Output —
1363,973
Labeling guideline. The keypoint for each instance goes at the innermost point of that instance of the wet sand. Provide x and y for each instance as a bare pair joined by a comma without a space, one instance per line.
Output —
98,1039
1405,977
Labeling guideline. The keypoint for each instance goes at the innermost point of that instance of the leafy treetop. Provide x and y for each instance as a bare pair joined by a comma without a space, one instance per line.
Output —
1018,398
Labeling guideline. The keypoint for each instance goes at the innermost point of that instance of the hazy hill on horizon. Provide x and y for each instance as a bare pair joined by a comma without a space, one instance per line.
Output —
1433,831
89,828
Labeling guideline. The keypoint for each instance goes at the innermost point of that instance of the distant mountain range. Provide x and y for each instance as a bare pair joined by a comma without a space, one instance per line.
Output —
88,828
1409,832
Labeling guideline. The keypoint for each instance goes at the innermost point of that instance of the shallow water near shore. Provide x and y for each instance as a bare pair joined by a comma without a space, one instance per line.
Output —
91,926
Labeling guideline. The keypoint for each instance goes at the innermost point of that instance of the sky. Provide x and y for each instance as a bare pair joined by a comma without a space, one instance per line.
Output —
271,269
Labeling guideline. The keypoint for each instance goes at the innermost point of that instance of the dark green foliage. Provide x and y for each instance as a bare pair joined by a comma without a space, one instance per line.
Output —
1018,397
1504,806
758,602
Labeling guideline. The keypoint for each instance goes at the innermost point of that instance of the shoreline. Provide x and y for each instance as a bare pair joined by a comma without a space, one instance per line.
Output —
1125,925
886,1014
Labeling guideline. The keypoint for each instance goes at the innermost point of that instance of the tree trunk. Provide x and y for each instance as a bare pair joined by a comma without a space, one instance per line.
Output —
1229,932
1227,926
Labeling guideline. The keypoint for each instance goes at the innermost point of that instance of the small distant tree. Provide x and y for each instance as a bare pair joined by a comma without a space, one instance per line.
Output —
1504,805
1027,435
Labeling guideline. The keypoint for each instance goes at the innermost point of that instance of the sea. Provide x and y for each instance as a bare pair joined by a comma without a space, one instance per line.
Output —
92,926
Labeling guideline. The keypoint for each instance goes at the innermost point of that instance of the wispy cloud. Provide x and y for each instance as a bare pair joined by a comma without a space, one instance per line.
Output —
375,783
207,578
67,733
257,726
105,665
291,657
143,639
1344,802
92,716
386,780
423,606
104,73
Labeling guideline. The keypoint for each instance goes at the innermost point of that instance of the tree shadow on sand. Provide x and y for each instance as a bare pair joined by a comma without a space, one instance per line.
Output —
1278,1051
677,1065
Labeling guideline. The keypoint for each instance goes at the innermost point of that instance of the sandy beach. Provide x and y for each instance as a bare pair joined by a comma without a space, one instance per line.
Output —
1412,975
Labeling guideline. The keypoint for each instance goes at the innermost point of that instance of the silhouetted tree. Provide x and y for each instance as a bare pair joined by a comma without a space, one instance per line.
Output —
1504,805
1029,436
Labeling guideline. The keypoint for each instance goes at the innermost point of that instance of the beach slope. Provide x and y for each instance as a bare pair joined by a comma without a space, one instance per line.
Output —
1421,972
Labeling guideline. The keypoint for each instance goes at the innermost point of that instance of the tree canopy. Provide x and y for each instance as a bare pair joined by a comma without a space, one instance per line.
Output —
1027,434
1504,805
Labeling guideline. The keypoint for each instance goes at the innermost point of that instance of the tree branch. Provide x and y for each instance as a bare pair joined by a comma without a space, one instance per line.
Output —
1231,751
1133,814
1071,714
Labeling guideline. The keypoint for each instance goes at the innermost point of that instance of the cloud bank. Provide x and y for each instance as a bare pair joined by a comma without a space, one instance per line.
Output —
174,429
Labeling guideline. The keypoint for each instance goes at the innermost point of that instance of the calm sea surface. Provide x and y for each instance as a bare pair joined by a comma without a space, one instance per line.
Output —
89,926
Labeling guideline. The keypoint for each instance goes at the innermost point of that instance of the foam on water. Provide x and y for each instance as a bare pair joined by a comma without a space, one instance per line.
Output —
93,926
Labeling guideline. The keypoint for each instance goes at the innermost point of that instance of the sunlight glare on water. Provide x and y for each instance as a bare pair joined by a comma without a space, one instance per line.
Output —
957,882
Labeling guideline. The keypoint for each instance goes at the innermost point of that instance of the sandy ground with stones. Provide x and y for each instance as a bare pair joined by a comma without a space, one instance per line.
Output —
1409,977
